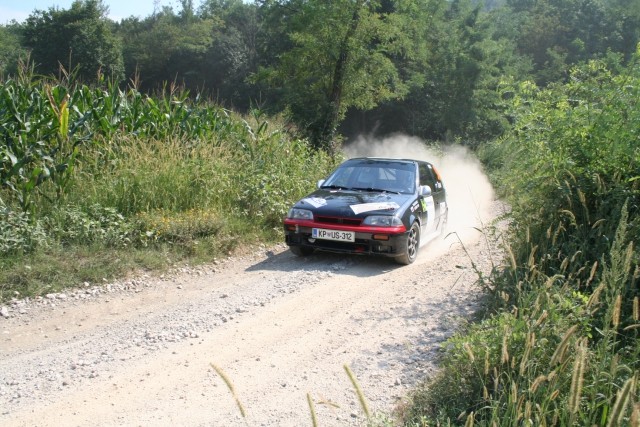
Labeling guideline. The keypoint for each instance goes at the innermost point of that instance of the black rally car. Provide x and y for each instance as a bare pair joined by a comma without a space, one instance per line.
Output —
380,206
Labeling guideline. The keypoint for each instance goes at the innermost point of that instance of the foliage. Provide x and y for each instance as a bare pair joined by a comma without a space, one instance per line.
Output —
164,48
38,142
427,68
19,233
561,33
11,49
77,39
578,153
166,175
46,126
210,52
69,225
452,67
562,346
340,57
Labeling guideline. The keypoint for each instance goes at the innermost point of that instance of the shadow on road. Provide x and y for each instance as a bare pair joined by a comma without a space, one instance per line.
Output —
324,262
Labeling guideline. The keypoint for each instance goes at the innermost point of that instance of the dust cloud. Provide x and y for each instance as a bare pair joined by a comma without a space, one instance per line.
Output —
469,193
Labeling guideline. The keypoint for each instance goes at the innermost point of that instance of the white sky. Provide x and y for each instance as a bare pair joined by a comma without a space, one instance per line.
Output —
118,9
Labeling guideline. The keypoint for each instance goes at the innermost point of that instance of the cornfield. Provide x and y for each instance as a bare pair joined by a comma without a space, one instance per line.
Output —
116,168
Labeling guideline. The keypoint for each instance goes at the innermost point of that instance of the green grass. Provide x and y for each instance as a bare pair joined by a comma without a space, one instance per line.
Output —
125,182
559,345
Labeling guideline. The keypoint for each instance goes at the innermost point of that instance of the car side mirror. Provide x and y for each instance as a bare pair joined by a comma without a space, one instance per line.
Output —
320,182
425,190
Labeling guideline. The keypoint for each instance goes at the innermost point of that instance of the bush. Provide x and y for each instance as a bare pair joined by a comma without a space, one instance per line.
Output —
105,226
562,345
19,232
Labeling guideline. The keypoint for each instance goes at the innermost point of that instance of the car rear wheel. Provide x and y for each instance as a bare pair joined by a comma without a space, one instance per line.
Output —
301,250
413,244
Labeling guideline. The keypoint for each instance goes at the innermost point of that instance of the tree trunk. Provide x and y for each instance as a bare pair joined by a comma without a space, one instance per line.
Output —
332,115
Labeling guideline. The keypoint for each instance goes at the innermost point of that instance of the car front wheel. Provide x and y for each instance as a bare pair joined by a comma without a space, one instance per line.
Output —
413,244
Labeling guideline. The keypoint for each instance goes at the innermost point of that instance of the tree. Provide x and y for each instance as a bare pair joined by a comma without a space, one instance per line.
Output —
557,34
219,8
233,55
11,50
167,47
452,67
211,51
623,17
338,56
79,39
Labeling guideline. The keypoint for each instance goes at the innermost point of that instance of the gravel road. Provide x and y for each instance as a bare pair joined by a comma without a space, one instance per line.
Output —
142,351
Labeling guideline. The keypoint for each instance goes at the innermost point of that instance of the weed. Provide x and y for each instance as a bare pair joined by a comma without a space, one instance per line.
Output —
231,388
363,401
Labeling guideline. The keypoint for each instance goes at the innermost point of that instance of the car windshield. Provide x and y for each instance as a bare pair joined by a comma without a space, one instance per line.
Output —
389,176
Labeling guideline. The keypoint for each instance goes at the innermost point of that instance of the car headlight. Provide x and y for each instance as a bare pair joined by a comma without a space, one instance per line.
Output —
382,221
295,213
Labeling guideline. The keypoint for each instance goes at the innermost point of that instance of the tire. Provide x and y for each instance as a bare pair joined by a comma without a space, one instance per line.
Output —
301,250
413,244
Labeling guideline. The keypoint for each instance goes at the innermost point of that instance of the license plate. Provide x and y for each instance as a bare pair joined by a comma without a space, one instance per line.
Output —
337,235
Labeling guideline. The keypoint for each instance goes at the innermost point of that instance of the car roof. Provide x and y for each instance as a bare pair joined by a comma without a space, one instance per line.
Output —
383,159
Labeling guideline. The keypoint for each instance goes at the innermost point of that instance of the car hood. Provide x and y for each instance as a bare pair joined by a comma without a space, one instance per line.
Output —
354,203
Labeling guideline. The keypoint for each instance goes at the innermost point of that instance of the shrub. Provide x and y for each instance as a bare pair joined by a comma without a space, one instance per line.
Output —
19,232
561,347
71,225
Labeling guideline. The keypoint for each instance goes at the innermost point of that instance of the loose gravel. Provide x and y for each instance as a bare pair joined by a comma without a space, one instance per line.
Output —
150,350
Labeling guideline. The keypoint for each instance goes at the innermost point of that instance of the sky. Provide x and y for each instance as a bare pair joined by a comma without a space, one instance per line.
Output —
118,9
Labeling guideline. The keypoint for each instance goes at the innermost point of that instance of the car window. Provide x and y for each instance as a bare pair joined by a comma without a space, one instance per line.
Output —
341,177
402,181
389,176
366,177
429,176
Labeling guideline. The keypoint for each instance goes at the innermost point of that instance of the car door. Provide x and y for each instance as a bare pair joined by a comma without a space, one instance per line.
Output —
435,205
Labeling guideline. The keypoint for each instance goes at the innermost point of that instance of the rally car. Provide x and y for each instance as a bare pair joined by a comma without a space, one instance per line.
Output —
374,206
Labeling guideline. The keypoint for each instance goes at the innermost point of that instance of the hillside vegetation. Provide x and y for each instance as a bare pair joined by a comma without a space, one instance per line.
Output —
99,181
114,157
558,345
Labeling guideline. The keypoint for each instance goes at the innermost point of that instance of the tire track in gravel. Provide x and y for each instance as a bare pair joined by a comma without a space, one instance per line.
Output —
139,351
280,327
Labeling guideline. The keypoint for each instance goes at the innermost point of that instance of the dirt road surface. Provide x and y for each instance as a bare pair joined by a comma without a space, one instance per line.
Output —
142,351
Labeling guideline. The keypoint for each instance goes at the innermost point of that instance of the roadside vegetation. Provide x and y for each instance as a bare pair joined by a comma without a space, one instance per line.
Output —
559,343
99,182
106,167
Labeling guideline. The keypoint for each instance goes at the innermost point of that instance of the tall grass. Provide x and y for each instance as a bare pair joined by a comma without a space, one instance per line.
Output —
562,346
105,169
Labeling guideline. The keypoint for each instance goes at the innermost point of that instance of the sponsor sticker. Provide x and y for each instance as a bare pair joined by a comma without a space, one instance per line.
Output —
316,202
367,207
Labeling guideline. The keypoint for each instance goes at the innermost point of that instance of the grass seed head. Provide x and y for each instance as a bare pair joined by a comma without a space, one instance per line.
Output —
615,316
577,379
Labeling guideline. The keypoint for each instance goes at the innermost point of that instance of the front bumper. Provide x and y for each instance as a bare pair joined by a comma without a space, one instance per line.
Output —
365,242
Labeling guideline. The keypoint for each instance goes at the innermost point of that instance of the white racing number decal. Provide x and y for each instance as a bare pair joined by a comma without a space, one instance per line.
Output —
429,207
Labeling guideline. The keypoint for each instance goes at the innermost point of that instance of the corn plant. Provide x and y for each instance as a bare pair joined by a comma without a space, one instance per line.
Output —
47,127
